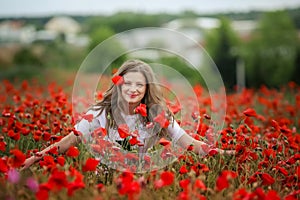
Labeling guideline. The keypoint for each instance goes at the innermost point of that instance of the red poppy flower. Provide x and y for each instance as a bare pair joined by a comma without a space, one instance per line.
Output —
48,161
267,179
58,180
222,180
99,132
184,183
3,166
123,130
199,184
118,80
164,142
133,141
88,117
174,108
162,120
90,165
141,109
42,194
61,160
46,136
183,169
53,150
13,135
2,146
72,187
72,152
166,179
18,158
250,112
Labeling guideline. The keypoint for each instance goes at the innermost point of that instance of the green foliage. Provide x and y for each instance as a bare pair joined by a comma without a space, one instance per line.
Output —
221,45
99,35
26,57
124,21
270,56
191,74
296,73
26,64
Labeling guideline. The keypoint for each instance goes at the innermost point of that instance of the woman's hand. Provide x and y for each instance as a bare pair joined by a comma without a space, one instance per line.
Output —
225,152
29,161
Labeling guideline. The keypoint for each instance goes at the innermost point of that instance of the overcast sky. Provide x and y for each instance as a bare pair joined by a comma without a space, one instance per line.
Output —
11,8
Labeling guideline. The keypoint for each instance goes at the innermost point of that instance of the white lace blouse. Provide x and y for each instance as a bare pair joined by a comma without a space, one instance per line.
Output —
144,136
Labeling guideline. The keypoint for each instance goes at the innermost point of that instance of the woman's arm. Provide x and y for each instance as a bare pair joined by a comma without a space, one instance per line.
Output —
201,148
63,145
184,140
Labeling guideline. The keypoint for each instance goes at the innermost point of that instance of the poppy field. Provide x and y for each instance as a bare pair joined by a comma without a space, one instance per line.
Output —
261,125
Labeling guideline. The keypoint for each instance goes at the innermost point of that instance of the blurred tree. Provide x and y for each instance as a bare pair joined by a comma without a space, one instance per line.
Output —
99,35
26,64
296,73
103,50
124,21
181,66
25,57
221,44
270,56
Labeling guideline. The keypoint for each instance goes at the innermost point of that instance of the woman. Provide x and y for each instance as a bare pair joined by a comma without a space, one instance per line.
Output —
132,108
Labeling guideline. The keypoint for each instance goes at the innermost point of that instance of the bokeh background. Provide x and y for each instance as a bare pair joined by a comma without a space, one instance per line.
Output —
253,43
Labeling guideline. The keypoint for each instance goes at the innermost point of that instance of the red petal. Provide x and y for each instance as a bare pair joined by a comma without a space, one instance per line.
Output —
72,152
90,165
118,80
123,130
164,142
88,117
250,112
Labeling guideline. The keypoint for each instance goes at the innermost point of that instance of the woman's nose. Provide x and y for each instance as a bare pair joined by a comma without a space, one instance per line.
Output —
133,88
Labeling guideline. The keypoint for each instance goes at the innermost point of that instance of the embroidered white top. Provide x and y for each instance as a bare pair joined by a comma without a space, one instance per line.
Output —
133,122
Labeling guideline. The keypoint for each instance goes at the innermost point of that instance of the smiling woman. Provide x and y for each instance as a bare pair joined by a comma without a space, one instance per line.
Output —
133,115
134,88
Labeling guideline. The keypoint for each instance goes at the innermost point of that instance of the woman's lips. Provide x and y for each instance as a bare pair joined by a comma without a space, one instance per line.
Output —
133,95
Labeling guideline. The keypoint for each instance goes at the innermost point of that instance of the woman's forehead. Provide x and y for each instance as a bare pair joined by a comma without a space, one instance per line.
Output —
134,76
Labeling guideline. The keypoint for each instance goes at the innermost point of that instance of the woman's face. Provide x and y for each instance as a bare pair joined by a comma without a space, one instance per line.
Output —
134,87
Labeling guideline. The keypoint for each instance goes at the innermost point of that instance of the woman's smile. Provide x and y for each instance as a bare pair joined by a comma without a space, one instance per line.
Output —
134,87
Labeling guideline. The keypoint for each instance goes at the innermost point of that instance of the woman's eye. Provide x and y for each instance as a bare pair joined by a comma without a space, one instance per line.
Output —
126,83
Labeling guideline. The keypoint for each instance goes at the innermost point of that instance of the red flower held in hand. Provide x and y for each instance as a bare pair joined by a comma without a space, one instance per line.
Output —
250,112
90,165
118,80
141,109
123,130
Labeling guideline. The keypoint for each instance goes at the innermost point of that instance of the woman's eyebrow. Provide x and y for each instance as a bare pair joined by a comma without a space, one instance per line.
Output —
140,82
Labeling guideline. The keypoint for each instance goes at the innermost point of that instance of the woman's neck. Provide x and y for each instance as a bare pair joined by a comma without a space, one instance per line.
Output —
129,109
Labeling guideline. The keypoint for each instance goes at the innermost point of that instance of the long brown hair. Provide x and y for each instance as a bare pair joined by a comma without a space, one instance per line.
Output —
153,96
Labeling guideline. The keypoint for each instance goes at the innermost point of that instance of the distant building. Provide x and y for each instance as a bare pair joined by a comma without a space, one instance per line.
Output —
16,32
66,27
63,25
242,27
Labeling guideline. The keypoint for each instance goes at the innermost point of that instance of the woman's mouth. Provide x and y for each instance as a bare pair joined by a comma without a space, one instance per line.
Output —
133,95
